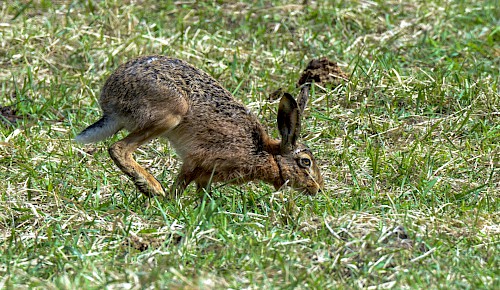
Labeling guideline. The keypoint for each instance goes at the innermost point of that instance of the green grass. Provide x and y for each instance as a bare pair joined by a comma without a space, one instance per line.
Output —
411,141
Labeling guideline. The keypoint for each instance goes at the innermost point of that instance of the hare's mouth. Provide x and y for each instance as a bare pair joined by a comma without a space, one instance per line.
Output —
313,191
308,190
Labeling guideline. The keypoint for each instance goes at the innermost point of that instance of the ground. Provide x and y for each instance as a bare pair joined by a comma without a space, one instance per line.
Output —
406,131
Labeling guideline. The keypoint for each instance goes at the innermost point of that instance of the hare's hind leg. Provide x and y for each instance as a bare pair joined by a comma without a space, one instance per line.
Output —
121,153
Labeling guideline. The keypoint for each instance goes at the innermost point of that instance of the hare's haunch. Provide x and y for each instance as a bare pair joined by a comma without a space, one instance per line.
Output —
217,138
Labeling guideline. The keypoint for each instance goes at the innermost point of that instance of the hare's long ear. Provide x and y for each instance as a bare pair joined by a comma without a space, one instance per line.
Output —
288,123
303,96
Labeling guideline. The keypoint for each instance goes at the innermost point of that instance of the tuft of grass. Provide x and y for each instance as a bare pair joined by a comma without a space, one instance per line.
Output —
409,147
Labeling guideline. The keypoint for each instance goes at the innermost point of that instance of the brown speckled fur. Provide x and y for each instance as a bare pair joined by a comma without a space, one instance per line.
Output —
217,137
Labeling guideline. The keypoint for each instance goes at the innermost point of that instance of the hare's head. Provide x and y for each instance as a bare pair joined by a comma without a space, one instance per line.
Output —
296,162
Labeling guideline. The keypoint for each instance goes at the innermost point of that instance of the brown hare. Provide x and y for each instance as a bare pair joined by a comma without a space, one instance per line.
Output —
217,138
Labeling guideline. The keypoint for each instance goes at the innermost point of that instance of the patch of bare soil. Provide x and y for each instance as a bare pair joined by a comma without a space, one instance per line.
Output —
323,70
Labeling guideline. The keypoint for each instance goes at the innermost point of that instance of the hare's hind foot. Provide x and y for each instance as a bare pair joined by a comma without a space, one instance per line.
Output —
143,180
121,153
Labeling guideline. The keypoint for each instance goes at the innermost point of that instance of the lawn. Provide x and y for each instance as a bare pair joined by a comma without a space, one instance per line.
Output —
409,147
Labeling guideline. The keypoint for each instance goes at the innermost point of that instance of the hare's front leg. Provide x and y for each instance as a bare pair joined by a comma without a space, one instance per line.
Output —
188,173
184,178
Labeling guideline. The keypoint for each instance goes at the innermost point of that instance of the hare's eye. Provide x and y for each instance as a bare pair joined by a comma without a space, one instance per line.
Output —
305,162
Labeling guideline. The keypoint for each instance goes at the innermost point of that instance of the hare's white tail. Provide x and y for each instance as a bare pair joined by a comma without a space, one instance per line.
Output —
100,130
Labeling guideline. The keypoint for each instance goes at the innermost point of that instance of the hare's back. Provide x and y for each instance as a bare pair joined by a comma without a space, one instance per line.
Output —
150,78
147,88
152,81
